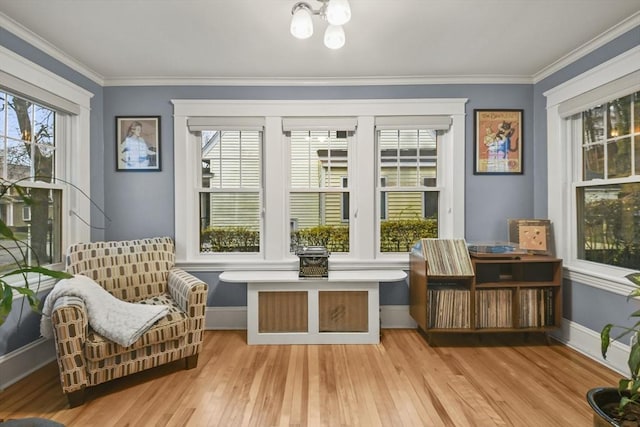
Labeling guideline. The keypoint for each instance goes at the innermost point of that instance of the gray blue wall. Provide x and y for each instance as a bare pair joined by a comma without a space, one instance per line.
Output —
141,204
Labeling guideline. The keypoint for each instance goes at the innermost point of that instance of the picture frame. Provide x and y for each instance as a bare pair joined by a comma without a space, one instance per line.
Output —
532,235
138,143
498,142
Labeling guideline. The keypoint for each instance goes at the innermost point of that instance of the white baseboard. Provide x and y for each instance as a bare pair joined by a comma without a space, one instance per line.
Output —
27,359
225,318
587,342
220,318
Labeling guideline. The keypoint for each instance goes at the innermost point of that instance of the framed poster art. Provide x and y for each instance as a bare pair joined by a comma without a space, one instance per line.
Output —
498,143
138,143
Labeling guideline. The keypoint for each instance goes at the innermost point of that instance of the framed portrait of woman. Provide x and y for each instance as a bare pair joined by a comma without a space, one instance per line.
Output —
498,142
138,143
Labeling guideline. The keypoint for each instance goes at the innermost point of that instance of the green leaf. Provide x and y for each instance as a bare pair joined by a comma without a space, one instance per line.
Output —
6,231
634,278
634,360
605,339
6,300
39,270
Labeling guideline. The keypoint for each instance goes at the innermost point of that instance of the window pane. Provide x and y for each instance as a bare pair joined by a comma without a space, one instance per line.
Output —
593,125
18,160
20,115
609,224
316,219
36,227
619,117
229,222
318,159
619,158
593,159
405,223
231,159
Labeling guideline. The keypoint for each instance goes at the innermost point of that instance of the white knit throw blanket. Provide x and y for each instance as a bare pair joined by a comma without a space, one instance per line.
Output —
119,321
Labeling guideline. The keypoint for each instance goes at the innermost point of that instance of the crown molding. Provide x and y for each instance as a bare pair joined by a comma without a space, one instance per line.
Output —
319,81
48,48
616,31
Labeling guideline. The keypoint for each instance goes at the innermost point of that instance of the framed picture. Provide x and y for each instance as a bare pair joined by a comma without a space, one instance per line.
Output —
497,142
532,235
138,143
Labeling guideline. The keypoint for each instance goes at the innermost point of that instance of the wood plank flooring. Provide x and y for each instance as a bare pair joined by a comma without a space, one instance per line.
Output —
502,380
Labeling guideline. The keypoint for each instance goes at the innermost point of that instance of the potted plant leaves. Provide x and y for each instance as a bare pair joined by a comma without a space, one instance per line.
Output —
620,406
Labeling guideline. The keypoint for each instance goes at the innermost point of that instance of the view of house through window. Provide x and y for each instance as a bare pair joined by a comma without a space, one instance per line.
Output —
608,195
408,192
31,204
319,194
230,194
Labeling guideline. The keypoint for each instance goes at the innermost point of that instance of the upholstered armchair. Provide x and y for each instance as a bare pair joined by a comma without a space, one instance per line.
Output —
139,271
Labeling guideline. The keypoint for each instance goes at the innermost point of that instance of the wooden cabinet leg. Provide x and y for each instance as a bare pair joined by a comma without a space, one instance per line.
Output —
76,398
191,361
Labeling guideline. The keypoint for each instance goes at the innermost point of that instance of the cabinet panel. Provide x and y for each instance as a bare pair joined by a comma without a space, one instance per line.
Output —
343,311
282,311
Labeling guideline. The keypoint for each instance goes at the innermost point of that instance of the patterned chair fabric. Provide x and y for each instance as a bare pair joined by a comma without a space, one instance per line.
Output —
139,271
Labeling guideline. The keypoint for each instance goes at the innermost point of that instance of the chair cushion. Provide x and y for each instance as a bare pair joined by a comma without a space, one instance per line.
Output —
171,327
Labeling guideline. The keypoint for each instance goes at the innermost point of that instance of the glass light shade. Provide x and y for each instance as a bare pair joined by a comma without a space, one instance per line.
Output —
334,37
301,24
338,12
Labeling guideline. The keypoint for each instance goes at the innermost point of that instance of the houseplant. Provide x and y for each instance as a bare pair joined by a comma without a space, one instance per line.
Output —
621,406
19,275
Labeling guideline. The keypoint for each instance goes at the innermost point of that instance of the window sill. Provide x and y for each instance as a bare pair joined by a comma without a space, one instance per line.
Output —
604,280
396,263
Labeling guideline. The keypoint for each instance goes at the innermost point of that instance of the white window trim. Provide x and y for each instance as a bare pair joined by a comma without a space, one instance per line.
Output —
363,185
73,156
561,192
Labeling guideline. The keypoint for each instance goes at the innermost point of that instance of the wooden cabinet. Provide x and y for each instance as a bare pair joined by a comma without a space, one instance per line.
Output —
522,293
503,293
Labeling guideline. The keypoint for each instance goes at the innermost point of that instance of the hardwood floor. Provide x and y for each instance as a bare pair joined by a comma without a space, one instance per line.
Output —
462,381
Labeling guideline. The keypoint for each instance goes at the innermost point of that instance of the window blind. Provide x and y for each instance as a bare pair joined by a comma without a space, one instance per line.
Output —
198,124
617,88
413,122
19,87
319,123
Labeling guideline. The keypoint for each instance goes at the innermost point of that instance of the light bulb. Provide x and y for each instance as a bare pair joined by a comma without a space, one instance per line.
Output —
338,12
301,24
334,37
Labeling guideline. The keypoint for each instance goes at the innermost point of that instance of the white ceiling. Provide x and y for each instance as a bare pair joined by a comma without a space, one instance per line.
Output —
128,41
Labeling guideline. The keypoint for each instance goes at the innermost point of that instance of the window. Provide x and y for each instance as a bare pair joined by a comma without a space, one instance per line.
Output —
594,179
309,175
408,192
28,152
608,188
44,134
230,193
319,194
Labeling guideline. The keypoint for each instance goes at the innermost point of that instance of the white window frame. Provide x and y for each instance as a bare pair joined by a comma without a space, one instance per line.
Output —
72,136
564,166
362,185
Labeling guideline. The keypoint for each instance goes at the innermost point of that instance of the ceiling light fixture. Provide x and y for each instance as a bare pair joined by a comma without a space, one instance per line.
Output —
335,12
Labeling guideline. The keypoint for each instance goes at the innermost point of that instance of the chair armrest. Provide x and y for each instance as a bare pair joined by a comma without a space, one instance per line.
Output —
189,292
70,328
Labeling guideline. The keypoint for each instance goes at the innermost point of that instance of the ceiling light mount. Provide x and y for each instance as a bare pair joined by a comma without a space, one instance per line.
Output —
335,12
